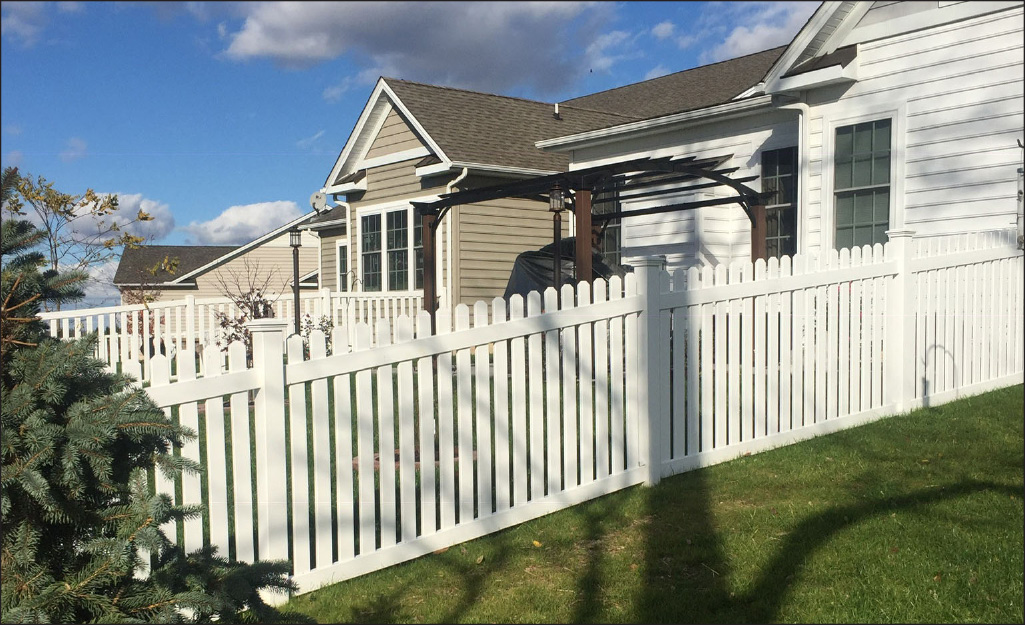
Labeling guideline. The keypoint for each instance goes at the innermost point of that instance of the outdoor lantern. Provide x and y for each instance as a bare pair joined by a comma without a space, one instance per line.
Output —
295,240
556,204
556,199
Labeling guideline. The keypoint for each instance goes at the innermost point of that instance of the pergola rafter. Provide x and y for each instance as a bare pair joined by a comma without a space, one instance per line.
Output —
647,178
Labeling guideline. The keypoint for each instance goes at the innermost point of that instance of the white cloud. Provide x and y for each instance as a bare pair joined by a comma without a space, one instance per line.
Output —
663,30
238,225
99,288
685,41
756,26
22,21
309,141
76,149
70,7
335,92
601,53
159,227
655,72
12,129
477,45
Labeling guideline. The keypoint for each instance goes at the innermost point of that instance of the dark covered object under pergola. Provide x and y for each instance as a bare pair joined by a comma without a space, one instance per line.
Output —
643,178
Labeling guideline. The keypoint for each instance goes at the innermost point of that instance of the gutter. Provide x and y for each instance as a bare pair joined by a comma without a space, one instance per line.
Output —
738,108
448,238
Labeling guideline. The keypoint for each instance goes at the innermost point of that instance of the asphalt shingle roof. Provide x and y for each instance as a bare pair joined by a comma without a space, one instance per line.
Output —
490,129
688,90
135,264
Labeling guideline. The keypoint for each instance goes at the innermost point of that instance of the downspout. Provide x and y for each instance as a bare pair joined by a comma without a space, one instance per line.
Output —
803,112
449,188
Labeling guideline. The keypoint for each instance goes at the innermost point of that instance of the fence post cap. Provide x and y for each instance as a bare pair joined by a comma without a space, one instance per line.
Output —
649,261
266,325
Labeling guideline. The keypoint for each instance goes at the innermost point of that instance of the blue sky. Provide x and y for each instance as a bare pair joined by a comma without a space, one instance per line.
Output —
222,118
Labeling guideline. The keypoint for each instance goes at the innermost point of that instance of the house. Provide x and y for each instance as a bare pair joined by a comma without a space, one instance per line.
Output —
171,272
876,116
413,143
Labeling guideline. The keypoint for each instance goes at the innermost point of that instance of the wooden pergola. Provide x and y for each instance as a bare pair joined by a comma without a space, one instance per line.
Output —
642,178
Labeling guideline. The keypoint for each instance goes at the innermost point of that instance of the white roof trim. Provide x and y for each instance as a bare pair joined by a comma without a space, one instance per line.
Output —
440,168
243,249
659,124
830,75
372,111
800,41
394,157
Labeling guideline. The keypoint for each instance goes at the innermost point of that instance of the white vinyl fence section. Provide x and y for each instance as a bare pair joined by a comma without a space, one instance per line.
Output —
350,462
129,336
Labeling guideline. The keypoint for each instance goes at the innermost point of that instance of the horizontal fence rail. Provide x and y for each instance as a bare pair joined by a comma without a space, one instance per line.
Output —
382,441
129,336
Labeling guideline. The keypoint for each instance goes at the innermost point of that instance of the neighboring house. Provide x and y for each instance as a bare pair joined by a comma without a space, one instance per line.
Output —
203,270
414,142
877,116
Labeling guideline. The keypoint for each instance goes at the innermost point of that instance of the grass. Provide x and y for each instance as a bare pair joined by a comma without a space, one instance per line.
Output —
915,518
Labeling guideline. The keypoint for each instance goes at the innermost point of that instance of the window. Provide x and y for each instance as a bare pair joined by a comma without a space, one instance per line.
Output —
343,267
398,251
370,244
861,183
611,243
779,177
418,251
391,259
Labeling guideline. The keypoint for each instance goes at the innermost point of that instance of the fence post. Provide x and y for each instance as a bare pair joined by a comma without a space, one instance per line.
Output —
325,306
899,353
649,422
269,410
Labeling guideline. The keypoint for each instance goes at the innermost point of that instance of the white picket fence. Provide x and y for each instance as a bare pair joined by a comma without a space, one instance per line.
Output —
128,336
424,441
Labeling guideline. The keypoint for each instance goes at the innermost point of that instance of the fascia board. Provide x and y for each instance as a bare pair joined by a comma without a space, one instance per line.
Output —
348,187
799,43
357,131
245,248
657,125
441,168
832,75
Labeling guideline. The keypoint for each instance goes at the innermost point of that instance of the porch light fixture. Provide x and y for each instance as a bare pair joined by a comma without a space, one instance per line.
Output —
295,240
556,204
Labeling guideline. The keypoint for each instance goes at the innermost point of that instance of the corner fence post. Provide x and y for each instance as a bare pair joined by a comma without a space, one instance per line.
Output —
649,421
269,409
899,352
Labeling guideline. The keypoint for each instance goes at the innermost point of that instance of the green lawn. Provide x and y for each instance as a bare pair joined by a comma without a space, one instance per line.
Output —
916,518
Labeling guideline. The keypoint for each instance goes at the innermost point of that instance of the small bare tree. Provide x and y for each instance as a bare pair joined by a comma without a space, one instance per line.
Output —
249,289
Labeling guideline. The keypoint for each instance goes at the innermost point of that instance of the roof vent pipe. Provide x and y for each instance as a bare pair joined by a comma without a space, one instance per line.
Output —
556,115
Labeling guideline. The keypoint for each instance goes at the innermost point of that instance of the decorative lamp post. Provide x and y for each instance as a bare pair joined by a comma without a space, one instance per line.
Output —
556,204
295,240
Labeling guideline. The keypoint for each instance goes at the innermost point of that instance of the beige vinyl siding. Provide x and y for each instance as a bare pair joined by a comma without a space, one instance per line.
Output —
328,264
395,136
390,182
490,236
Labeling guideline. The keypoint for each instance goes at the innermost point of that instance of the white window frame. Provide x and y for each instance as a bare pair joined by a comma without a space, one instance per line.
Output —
339,278
383,210
898,124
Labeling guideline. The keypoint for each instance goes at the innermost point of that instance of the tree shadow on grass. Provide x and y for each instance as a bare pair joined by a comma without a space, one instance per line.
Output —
706,598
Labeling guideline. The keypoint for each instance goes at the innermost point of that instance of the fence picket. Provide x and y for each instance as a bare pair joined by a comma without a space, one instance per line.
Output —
853,364
299,456
678,381
601,385
569,381
748,428
387,443
407,435
535,364
464,420
428,433
785,418
321,473
553,402
518,407
503,487
617,431
585,347
733,367
345,499
769,424
482,428
446,426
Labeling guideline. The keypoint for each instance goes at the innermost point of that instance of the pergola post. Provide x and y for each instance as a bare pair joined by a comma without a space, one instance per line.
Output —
582,209
429,221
